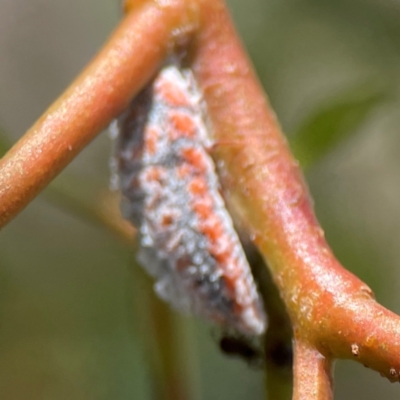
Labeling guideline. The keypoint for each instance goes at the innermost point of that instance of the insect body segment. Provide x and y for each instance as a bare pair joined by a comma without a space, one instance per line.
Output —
172,195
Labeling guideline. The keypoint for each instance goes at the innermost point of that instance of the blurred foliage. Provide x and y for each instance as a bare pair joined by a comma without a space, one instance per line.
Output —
332,123
4,145
72,306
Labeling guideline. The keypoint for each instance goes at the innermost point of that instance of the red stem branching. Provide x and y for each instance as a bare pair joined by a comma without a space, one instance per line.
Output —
312,373
333,313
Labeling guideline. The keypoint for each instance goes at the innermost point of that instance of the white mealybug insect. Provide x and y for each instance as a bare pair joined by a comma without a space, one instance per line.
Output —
171,194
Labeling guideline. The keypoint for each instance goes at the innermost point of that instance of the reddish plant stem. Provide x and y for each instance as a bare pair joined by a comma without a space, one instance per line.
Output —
264,182
103,90
259,172
312,373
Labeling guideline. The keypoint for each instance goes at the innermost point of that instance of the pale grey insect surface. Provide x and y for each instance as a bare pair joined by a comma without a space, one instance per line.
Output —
171,194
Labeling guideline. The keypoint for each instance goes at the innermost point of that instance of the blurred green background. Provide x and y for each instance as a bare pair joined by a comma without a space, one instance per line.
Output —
71,306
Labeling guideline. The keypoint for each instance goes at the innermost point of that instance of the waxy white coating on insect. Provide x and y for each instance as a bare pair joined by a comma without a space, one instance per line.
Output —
172,196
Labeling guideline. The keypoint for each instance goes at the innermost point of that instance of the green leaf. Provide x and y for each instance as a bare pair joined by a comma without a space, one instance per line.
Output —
331,124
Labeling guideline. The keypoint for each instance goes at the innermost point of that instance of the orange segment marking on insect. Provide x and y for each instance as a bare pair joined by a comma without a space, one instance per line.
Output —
171,94
152,137
195,158
182,125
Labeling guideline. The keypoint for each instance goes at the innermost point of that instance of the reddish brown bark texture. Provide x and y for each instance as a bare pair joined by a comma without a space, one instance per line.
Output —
103,90
333,312
312,373
330,308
